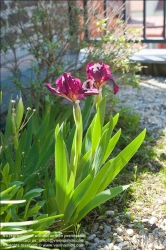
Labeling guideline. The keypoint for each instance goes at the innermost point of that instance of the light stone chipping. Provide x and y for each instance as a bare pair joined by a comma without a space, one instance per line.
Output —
149,101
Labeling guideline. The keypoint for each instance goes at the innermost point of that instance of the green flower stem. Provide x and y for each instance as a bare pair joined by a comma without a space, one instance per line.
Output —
16,145
98,98
78,135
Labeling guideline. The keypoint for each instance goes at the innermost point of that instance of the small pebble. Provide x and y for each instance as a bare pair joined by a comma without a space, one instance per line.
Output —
130,225
150,246
106,248
159,247
151,236
164,242
108,240
117,248
153,220
110,213
119,239
138,207
128,215
86,243
101,227
102,242
130,232
91,237
95,227
96,240
107,229
119,231
161,234
94,245
122,244
111,246
153,226
145,220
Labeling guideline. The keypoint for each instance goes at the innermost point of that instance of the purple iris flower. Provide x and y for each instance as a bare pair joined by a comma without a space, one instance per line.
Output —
71,88
99,73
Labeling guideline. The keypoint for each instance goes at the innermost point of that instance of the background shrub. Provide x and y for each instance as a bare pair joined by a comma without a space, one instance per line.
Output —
55,32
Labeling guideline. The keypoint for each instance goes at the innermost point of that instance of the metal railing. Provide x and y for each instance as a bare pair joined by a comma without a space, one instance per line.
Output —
146,39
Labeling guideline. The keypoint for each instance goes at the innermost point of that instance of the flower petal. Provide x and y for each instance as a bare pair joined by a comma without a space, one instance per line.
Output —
56,92
88,84
106,72
95,71
92,91
115,86
52,90
88,71
62,83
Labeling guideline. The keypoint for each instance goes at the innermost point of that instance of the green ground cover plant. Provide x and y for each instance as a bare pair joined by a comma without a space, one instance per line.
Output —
144,168
22,225
24,141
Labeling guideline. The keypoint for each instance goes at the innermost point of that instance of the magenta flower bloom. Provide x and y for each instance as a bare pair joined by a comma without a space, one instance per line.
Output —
70,88
100,73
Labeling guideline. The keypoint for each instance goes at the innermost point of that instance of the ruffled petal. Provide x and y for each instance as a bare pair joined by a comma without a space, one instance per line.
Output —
115,86
88,71
92,91
52,90
88,84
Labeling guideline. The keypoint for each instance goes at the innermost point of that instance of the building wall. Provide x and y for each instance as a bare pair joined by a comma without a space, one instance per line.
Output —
11,18
15,17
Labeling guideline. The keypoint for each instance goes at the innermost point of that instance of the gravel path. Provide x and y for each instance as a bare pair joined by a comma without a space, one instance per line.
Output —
144,227
149,101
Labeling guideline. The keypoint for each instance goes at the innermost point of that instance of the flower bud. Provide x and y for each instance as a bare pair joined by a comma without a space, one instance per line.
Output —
77,113
19,112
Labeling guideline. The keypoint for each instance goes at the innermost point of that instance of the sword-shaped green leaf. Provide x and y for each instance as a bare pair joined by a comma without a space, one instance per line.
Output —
121,160
99,199
60,171
111,145
78,194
